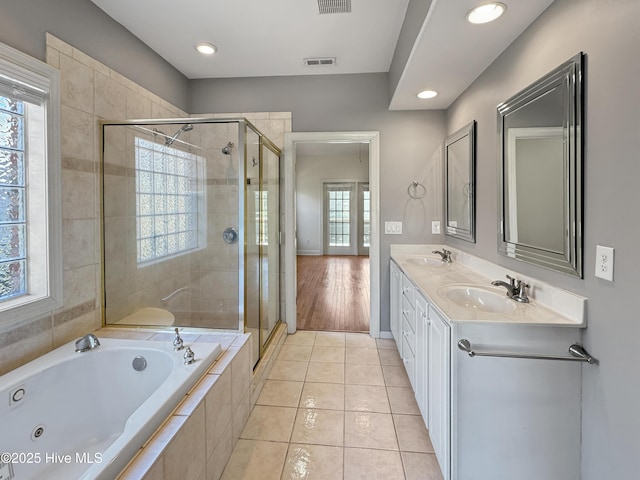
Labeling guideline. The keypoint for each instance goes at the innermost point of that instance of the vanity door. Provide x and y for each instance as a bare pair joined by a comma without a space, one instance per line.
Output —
439,380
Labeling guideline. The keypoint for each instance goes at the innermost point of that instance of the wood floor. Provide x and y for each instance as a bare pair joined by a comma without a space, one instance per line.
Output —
333,293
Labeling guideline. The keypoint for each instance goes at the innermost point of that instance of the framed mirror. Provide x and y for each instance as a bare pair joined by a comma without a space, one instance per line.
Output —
540,135
459,173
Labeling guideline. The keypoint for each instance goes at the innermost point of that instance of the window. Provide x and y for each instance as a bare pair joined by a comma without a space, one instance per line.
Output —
339,210
30,253
366,217
169,208
13,219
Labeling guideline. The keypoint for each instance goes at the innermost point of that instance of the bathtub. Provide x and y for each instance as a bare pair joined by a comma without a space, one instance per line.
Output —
85,415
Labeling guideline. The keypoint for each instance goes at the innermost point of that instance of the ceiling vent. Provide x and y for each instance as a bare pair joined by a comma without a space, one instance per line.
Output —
334,6
320,62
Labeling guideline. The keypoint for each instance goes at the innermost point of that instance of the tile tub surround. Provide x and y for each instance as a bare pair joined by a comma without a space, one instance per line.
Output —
196,441
554,306
315,418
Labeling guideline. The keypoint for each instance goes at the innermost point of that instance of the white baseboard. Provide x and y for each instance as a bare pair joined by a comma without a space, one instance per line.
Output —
309,252
384,334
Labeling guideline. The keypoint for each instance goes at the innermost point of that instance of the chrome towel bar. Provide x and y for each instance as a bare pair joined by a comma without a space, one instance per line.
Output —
578,354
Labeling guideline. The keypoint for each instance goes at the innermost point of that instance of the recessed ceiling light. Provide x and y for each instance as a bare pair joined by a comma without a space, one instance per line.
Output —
206,48
427,94
486,13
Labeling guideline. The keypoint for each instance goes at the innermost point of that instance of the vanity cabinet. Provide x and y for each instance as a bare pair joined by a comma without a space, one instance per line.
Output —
490,417
424,345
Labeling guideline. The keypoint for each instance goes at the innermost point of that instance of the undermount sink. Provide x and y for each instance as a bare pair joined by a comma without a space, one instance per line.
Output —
426,261
479,298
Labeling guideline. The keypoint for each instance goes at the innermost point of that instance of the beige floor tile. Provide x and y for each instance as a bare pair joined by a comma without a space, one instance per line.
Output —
421,466
301,338
256,460
386,343
295,353
366,398
327,354
330,339
269,423
412,434
369,430
313,462
325,372
389,356
366,464
364,356
280,393
326,396
395,376
319,427
360,340
403,401
288,370
363,374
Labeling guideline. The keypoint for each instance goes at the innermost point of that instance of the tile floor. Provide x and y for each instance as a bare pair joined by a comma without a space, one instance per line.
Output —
335,406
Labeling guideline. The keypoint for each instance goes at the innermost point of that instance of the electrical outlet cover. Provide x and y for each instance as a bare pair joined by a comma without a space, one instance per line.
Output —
604,263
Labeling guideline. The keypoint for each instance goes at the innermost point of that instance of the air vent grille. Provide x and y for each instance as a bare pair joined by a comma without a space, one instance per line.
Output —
334,6
319,62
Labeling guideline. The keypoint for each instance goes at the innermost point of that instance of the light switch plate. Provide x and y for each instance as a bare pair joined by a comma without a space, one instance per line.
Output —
435,227
604,263
393,228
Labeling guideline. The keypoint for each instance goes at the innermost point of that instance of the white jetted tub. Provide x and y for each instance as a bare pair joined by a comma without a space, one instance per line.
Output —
71,415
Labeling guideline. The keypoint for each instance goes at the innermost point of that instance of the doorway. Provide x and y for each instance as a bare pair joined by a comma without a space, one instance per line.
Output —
370,224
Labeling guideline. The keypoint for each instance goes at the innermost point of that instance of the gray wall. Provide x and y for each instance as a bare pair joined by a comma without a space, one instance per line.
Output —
608,33
410,141
23,24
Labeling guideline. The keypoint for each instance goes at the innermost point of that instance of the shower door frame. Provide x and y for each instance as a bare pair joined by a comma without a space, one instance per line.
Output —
243,124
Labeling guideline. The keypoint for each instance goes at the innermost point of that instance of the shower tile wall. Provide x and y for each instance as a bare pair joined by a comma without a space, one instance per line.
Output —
90,91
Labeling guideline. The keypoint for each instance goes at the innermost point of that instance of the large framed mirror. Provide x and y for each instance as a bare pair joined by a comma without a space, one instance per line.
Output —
459,172
540,134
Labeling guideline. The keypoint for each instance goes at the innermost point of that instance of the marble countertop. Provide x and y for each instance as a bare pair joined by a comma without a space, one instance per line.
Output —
565,310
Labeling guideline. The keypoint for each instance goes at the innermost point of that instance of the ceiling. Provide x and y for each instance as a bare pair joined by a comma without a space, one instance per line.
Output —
258,38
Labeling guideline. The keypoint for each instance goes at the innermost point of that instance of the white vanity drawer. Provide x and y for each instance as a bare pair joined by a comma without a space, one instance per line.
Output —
407,289
409,361
409,313
409,335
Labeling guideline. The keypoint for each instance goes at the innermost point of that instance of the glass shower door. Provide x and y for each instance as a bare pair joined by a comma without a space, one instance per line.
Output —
269,243
262,204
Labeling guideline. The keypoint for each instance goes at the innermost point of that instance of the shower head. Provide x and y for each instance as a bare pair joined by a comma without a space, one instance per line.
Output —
184,128
227,149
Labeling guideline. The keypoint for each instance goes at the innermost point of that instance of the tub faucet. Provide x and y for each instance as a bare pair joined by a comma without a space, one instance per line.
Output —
86,343
444,254
178,343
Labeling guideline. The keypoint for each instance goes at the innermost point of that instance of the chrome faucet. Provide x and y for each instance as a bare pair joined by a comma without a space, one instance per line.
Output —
444,254
178,343
86,343
516,289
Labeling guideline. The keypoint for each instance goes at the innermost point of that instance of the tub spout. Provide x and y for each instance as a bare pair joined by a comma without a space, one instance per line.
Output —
86,343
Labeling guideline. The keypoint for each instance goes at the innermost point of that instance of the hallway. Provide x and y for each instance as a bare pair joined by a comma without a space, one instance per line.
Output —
336,406
333,293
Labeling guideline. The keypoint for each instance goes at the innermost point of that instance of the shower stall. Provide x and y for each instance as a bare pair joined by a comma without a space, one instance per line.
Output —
191,226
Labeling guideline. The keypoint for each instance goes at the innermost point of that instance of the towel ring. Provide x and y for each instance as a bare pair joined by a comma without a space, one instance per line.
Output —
416,190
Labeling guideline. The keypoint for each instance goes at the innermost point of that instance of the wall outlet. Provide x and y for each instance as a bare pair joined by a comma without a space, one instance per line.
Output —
435,227
393,228
604,263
